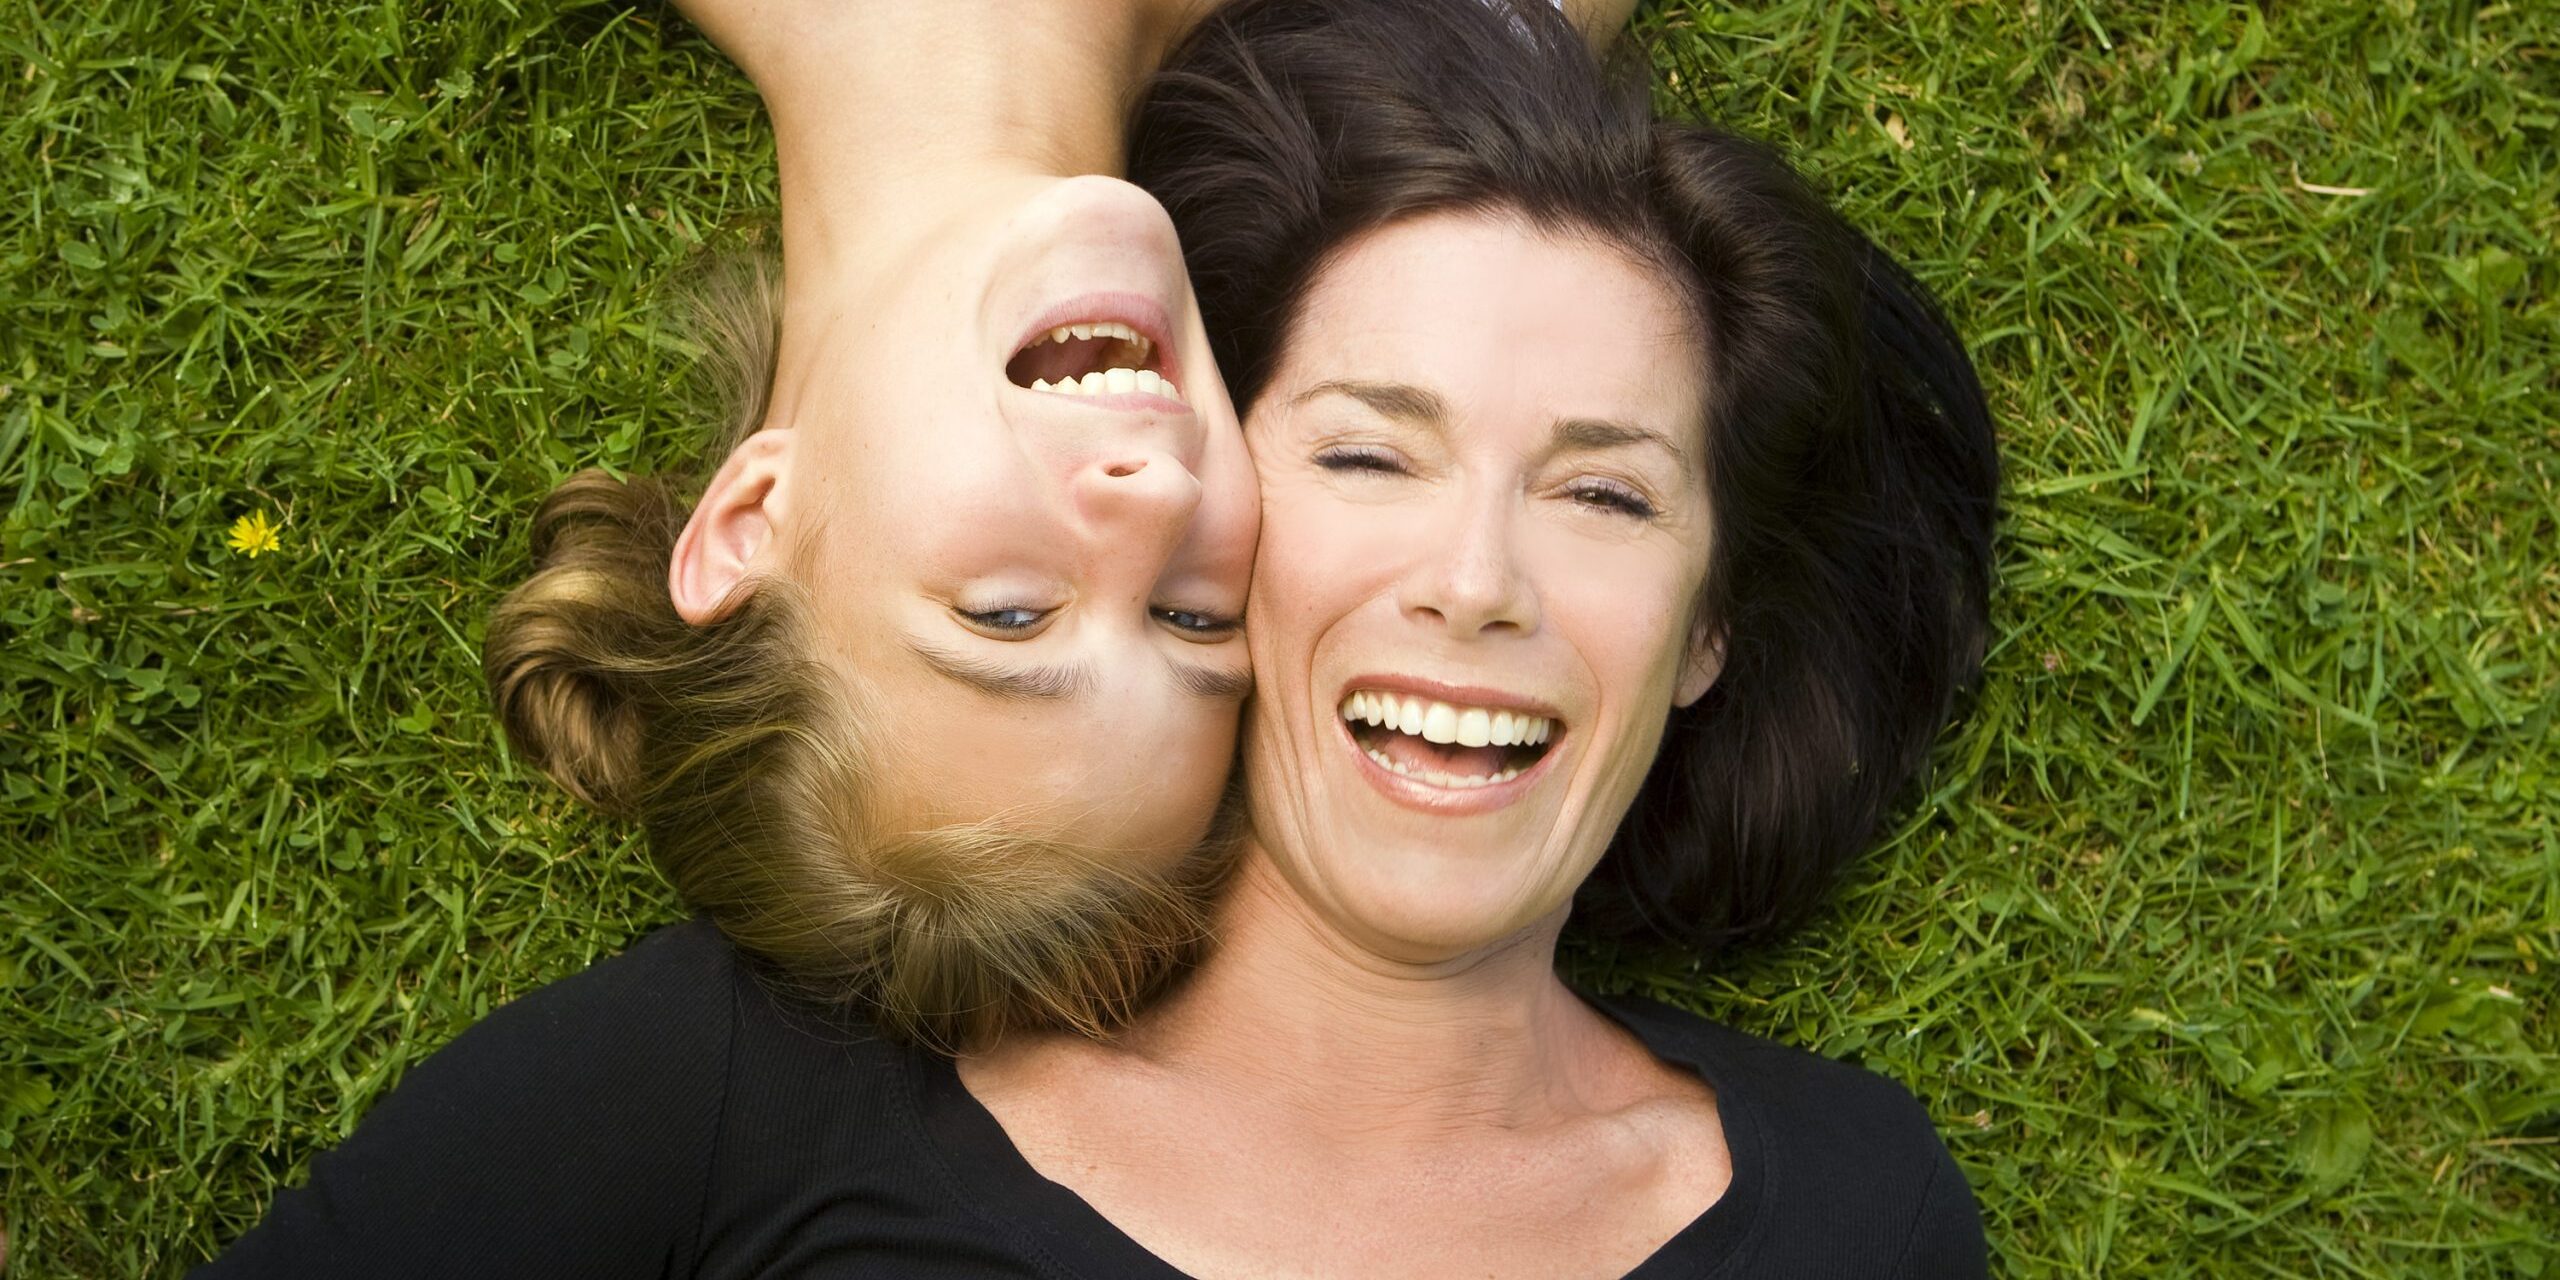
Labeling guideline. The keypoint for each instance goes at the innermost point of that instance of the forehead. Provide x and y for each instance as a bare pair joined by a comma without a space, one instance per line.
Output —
1485,306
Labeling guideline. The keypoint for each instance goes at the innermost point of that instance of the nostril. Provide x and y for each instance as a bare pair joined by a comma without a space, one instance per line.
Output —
1123,470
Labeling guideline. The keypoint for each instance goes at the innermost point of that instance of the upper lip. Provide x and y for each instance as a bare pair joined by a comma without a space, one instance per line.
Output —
1458,694
1136,310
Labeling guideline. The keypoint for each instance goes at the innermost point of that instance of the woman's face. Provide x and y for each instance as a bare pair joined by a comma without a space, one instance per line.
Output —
1484,527
1037,590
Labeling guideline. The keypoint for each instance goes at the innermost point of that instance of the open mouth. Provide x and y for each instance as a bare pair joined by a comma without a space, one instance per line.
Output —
1445,744
1104,357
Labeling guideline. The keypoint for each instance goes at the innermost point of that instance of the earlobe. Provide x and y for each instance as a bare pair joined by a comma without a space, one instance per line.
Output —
731,534
1705,662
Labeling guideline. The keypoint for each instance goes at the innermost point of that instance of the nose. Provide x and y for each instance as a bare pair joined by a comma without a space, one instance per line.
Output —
1471,578
1138,499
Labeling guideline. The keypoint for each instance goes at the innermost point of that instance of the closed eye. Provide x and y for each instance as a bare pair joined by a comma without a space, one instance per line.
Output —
1609,495
1354,457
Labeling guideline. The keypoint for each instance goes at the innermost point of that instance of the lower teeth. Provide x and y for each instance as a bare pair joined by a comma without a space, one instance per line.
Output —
1438,779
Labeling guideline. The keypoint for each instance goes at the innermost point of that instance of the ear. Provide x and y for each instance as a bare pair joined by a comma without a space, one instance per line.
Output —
1698,671
731,533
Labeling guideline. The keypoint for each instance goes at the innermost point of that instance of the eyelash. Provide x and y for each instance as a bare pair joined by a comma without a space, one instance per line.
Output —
1355,457
1207,626
1190,622
989,618
1604,495
1609,495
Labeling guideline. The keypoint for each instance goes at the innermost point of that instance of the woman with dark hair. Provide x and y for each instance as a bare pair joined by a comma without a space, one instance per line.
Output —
1625,536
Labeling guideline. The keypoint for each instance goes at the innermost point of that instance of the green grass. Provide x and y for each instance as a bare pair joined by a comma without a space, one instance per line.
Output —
2226,946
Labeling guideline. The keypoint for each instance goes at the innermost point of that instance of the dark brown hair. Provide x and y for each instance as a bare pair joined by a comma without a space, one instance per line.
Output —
1851,467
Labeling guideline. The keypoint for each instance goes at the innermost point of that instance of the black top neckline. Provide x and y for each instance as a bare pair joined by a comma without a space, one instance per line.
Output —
989,1173
663,1113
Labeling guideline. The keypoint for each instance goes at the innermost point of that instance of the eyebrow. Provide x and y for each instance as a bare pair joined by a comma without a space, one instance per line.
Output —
1401,401
1609,433
1000,681
1210,682
1059,683
1422,407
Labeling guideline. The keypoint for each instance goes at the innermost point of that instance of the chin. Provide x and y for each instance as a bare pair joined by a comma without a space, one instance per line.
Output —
1440,909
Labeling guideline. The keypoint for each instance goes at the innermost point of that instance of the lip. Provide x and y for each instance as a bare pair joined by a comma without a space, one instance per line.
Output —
1422,797
1138,311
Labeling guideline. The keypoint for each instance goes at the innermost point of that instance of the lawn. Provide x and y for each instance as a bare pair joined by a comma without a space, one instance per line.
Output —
2224,941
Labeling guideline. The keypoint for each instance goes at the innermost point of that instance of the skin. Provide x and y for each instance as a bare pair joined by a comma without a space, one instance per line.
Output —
1380,1043
945,196
1017,585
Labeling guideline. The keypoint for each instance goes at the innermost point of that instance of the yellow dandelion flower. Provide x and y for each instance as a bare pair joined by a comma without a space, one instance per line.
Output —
253,535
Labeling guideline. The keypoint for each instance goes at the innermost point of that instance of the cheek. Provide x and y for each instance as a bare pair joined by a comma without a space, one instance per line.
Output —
1625,612
1195,771
1230,521
966,514
1311,554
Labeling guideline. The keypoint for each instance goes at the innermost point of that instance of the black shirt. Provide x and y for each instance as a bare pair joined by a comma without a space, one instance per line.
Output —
661,1115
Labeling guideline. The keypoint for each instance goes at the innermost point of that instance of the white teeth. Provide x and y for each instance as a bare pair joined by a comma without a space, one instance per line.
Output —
1106,329
1453,781
1113,382
1442,723
1118,379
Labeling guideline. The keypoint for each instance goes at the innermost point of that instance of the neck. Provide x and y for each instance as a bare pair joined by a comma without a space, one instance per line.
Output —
875,106
1289,1014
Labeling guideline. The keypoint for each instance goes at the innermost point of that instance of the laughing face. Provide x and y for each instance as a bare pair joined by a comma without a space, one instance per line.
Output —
1024,516
1484,532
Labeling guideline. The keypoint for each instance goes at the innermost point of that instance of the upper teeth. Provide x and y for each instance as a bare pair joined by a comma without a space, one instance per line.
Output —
1105,329
1113,382
1444,723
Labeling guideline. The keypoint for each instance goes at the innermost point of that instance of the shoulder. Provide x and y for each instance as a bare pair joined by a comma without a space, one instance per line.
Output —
1847,1154
654,1020
679,1027
683,975
572,1124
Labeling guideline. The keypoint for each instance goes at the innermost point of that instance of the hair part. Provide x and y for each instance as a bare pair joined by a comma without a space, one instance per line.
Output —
747,763
1850,459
